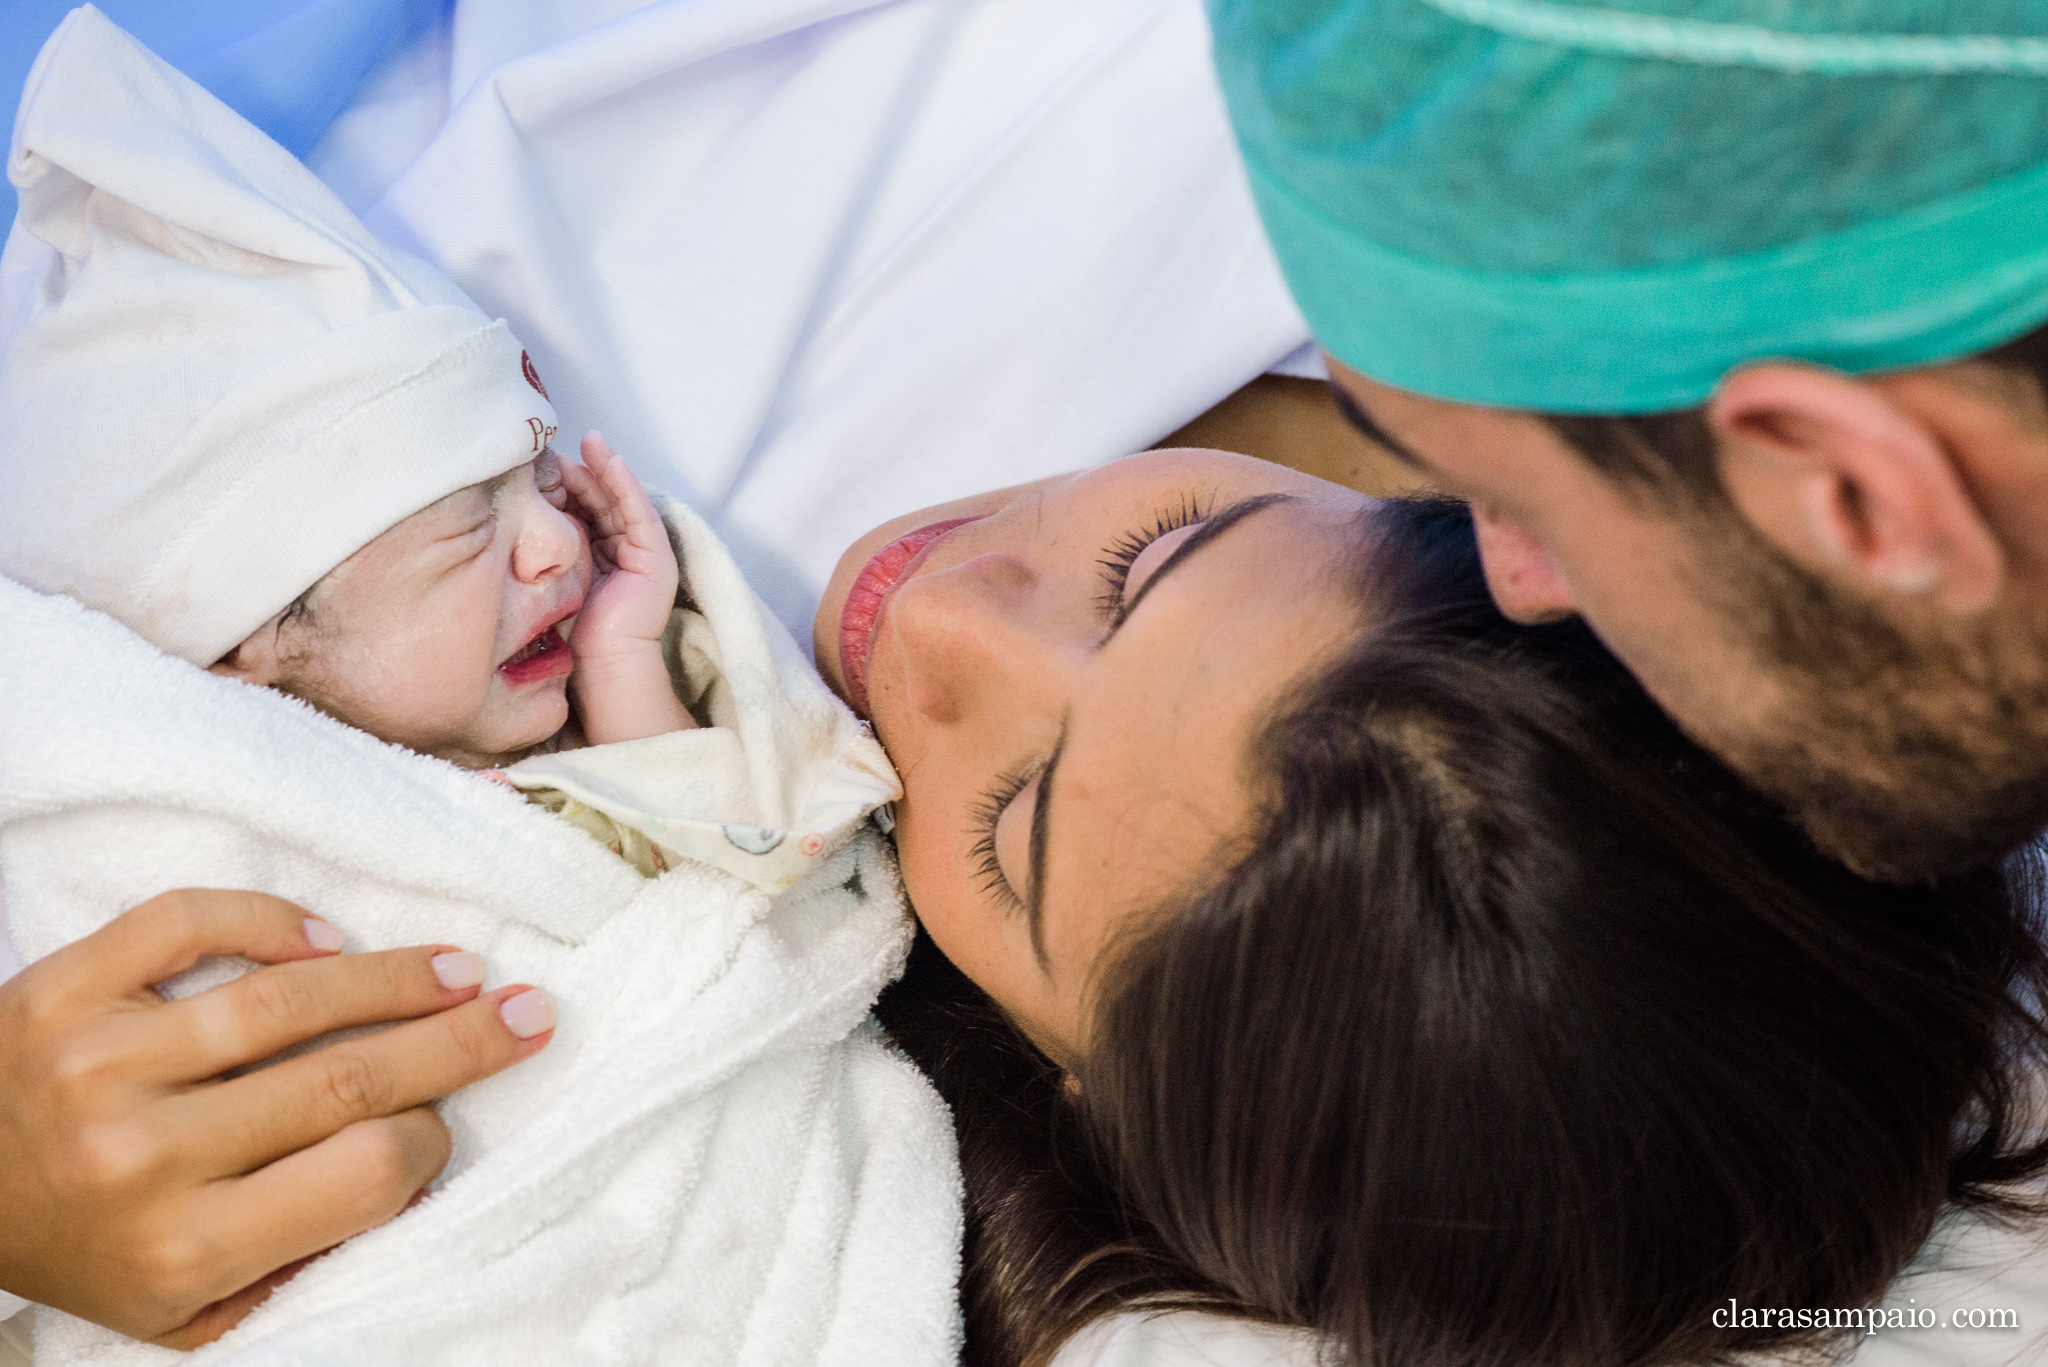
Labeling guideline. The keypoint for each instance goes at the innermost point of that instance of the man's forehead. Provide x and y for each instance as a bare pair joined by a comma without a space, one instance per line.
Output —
1490,455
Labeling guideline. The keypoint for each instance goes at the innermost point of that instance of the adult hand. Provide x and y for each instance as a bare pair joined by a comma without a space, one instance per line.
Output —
145,1192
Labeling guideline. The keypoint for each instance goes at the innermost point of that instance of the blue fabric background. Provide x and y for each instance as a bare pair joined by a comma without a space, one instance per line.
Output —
288,66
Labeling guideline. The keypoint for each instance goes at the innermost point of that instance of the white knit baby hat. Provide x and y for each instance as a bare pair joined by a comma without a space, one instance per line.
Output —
215,384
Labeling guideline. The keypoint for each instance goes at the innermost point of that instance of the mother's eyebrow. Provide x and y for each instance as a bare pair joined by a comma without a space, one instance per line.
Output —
1041,815
1041,820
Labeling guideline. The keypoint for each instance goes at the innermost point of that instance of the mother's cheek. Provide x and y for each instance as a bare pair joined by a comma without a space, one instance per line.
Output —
935,878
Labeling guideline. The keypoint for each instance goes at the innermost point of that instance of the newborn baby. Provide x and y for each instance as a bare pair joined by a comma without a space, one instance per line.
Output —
299,458
241,437
462,631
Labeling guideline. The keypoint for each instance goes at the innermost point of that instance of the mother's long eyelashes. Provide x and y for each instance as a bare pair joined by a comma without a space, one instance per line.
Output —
983,817
1119,555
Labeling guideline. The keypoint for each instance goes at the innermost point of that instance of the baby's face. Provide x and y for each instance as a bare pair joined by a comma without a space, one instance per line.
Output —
449,633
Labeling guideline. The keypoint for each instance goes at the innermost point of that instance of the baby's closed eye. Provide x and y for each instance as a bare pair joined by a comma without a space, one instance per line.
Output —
465,541
547,478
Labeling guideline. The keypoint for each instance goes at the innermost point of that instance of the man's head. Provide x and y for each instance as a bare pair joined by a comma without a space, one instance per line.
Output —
1710,312
1839,583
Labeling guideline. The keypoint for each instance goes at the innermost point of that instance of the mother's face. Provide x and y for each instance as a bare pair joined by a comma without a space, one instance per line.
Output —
1067,675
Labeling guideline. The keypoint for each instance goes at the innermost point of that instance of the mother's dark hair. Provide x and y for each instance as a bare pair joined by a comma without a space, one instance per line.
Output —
1516,1031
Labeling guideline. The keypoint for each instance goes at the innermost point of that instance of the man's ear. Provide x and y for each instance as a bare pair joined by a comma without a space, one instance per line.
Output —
256,660
1853,485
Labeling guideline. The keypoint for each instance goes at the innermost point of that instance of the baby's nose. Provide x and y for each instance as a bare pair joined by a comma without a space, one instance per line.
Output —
551,544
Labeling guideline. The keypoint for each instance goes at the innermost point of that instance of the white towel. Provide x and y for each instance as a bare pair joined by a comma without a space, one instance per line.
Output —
717,1160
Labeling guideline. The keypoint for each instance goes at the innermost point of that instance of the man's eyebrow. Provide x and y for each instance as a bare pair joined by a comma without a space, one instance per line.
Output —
1211,528
1041,821
1363,423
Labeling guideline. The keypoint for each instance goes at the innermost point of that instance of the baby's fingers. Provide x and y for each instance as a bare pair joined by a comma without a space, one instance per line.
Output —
601,513
621,486
598,453
634,513
582,484
589,495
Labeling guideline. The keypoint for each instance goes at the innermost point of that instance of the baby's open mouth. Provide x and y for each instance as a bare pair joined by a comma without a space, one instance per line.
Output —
543,657
551,639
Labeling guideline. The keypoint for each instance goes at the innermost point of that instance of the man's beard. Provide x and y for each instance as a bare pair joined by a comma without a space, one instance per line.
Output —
1906,750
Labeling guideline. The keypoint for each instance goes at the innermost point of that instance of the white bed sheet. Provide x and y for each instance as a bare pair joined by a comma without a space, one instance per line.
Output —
1970,1265
814,263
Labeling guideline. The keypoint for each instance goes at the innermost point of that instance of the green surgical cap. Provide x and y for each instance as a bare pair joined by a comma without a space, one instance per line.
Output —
1599,210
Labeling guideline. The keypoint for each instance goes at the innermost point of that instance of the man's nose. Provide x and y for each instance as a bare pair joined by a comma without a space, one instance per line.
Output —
976,635
1523,579
550,543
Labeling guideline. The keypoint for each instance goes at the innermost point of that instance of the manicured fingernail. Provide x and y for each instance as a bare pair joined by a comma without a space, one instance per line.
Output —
321,935
458,969
529,1013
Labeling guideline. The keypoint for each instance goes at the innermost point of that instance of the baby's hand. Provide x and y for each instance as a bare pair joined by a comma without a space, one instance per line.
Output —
620,682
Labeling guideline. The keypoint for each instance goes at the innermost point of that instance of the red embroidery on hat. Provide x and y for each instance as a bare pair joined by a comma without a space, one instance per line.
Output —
532,376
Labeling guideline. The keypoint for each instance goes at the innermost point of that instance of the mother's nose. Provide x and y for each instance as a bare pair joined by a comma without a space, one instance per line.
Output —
975,635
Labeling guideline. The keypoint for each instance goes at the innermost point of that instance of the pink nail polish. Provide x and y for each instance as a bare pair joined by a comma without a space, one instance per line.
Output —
529,1013
321,935
458,969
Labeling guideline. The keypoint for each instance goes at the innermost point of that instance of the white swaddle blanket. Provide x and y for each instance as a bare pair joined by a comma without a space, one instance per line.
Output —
717,1160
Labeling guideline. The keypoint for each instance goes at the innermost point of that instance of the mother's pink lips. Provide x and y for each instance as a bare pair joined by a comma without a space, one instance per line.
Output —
870,591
